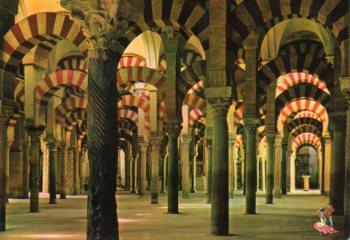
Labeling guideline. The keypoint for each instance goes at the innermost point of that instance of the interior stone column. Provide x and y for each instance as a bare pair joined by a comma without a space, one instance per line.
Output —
81,170
284,166
251,164
193,155
142,167
75,171
127,169
164,172
25,177
154,141
173,129
7,179
63,162
270,162
185,166
219,178
133,175
293,157
102,222
327,164
338,161
278,161
235,157
52,146
34,132
209,143
263,172
231,167
3,124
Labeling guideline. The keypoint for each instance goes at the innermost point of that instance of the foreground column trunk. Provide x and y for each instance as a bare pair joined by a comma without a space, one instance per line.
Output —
251,171
338,162
277,191
34,132
142,168
63,162
102,144
155,169
210,160
219,178
185,166
26,146
269,168
52,170
75,171
173,129
2,174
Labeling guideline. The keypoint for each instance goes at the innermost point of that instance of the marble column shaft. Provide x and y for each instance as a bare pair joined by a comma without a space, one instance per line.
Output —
251,168
154,141
52,145
63,162
185,166
277,191
3,129
142,168
34,133
270,160
209,143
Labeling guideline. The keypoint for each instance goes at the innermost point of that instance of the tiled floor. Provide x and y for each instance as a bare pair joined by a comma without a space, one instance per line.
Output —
289,218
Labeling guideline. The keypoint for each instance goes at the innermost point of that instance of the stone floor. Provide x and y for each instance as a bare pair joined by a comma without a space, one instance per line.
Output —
290,218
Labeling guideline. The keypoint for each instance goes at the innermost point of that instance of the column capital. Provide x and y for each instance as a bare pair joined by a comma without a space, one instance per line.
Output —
172,127
337,121
345,88
154,141
35,131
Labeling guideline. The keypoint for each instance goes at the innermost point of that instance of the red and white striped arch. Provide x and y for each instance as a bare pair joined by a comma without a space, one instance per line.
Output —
195,115
128,114
130,75
19,93
73,62
139,102
306,138
298,106
73,117
286,81
192,98
70,104
35,29
238,114
54,81
131,61
308,114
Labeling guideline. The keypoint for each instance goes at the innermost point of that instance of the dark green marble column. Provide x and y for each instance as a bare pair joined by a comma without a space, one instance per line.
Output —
52,145
338,161
102,128
173,129
270,148
219,177
154,141
251,166
127,170
34,132
26,146
3,133
284,166
209,143
63,162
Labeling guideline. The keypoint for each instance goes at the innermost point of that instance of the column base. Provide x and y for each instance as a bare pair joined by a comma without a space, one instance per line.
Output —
173,212
217,232
193,191
63,196
52,201
154,198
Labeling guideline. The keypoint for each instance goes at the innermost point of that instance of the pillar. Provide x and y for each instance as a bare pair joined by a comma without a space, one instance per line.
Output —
284,166
270,149
63,162
209,143
75,171
263,172
81,170
34,132
127,169
338,161
164,170
292,170
193,154
52,146
133,175
327,164
25,177
185,166
173,129
235,176
219,101
154,141
3,129
142,167
251,164
231,167
277,191
7,166
102,130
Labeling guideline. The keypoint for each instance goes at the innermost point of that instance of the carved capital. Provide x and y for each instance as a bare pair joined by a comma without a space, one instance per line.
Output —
345,88
173,127
219,106
251,128
35,131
